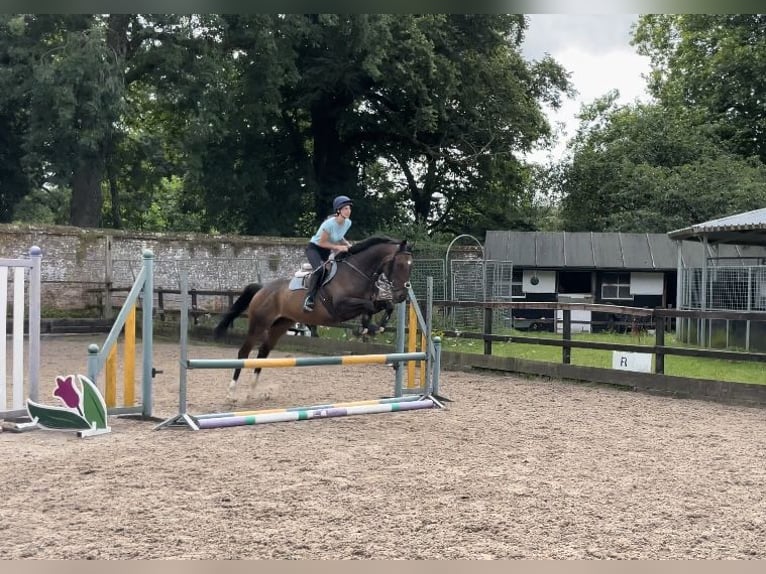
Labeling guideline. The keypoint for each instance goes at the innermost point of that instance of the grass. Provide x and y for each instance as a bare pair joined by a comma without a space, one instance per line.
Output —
691,367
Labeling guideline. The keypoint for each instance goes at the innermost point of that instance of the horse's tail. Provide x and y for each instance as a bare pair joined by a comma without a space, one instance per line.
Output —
236,310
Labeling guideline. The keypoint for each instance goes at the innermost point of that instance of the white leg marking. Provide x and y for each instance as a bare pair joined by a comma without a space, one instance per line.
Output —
232,395
253,384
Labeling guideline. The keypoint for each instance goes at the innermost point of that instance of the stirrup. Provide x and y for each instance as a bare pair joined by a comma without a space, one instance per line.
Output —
308,304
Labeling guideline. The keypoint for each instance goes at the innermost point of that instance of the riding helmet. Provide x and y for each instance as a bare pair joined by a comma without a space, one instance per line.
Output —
340,202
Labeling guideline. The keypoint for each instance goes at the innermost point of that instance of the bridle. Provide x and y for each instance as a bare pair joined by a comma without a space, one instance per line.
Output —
385,286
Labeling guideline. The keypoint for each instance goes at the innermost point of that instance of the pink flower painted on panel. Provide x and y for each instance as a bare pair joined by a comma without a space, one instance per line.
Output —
68,393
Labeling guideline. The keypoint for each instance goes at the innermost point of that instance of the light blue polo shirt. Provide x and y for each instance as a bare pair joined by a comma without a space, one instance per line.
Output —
334,231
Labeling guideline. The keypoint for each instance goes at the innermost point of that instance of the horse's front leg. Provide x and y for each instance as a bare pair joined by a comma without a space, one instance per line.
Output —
389,310
351,307
366,324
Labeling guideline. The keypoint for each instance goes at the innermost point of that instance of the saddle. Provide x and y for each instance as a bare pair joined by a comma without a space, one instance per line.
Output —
302,277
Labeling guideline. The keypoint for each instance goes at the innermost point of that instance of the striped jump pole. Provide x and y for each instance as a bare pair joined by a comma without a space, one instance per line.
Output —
288,362
104,359
387,400
374,406
319,413
409,314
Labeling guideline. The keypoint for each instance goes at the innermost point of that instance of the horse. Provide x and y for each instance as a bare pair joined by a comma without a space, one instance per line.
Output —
375,269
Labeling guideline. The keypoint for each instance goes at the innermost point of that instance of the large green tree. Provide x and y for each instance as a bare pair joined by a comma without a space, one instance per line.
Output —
75,93
252,123
648,168
456,123
715,63
421,116
14,185
104,103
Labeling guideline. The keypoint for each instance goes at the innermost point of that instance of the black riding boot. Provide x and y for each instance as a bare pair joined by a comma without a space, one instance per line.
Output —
308,302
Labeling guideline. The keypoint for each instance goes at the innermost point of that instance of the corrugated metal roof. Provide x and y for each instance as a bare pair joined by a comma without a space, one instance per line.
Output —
578,250
748,228
629,251
549,248
664,254
607,250
636,251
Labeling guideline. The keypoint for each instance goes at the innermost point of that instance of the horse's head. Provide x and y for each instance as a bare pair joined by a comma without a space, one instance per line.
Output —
397,268
384,257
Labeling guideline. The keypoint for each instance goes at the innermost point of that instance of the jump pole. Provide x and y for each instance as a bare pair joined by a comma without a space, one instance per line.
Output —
319,413
406,398
432,344
409,313
290,362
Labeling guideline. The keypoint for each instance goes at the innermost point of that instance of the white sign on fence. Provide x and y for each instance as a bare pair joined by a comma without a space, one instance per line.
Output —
641,362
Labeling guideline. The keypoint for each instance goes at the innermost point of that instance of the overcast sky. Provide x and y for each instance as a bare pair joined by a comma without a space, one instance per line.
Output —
595,48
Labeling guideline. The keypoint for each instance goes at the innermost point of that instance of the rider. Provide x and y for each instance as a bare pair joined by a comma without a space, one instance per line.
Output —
331,236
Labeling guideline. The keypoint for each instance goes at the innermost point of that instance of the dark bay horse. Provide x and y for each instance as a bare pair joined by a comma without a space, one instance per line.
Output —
373,270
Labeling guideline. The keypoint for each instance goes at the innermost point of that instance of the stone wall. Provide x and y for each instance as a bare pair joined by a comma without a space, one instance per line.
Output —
77,262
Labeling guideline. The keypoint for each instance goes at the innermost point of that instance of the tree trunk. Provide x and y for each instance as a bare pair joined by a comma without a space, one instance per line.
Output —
421,198
115,197
87,200
334,170
117,40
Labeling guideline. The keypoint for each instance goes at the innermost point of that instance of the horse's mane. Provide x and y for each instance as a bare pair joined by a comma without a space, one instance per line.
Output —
369,242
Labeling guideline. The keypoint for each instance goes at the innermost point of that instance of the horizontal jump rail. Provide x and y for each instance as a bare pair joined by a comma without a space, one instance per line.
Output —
387,400
321,413
379,359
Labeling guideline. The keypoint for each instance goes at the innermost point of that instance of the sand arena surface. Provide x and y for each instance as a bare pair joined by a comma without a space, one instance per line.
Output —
514,468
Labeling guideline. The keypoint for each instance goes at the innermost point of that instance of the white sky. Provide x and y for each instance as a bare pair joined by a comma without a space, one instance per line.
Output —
595,48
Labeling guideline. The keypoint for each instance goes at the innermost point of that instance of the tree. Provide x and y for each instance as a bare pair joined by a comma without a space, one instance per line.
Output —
75,95
252,123
14,184
715,63
453,105
419,116
102,97
647,168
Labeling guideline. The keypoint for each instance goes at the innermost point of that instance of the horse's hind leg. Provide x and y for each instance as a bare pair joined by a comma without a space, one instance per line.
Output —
275,332
244,352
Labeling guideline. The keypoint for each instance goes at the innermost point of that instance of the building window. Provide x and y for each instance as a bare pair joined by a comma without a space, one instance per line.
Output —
616,286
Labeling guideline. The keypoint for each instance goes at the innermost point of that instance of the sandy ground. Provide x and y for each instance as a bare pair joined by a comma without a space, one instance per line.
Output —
513,468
